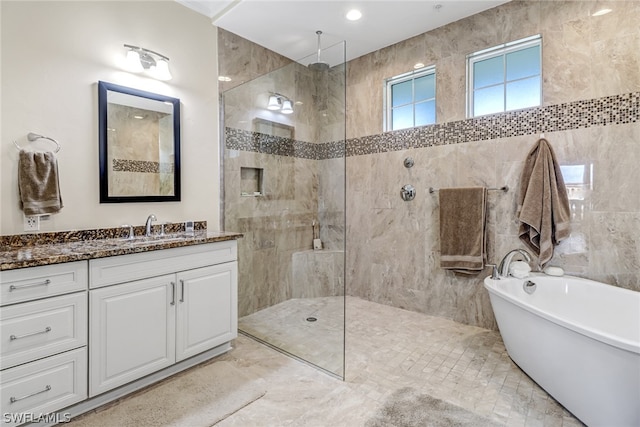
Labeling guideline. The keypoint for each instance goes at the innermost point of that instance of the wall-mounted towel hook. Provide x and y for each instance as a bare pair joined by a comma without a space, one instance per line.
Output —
34,136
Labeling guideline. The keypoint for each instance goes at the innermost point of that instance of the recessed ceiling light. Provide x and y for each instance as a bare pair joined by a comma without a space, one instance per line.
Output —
354,15
601,12
418,65
224,78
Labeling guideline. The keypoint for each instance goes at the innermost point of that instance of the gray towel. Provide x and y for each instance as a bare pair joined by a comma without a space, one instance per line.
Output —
462,229
38,183
543,204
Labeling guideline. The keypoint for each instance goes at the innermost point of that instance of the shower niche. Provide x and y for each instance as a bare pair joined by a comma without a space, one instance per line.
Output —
251,180
283,173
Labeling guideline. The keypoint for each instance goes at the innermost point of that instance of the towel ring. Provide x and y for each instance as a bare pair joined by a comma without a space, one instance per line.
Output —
34,136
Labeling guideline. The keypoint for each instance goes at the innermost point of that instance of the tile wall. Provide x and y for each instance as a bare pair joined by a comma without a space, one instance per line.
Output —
302,179
591,94
590,115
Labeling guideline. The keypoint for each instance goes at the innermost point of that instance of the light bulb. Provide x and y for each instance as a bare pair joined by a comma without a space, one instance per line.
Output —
274,103
133,62
287,108
161,71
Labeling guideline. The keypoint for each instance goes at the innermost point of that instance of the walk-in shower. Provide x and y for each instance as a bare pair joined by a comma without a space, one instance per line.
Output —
284,189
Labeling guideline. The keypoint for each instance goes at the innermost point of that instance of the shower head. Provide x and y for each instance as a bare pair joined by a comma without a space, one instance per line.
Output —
319,65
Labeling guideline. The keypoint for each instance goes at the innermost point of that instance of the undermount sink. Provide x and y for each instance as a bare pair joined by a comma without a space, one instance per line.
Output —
144,240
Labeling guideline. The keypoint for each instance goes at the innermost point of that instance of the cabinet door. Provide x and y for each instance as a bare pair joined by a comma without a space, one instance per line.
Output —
132,331
207,308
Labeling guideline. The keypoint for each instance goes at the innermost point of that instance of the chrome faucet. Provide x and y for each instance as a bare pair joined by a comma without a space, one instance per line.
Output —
147,226
503,268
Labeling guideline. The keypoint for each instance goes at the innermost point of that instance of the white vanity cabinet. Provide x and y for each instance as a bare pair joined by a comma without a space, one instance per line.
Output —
43,330
153,309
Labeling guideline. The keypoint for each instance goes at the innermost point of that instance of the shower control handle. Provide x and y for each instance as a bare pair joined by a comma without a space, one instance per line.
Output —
408,192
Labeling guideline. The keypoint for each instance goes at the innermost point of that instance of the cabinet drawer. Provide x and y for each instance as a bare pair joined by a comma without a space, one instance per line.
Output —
125,268
44,386
33,330
25,284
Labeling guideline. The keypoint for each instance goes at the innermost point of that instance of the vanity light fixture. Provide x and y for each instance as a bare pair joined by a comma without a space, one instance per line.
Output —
278,102
140,59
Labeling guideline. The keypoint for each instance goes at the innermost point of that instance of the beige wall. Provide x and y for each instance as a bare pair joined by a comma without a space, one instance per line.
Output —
393,246
53,55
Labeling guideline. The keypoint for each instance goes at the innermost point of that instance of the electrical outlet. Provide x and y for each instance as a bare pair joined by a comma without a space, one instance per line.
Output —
31,223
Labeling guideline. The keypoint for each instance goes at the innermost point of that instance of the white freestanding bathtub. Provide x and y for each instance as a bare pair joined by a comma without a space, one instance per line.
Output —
578,339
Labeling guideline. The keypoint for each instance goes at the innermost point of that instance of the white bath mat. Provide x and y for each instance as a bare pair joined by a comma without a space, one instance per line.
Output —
200,397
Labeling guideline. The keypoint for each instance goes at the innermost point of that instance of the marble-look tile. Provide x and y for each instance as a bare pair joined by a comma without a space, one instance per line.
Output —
450,78
567,80
615,169
242,60
393,248
617,59
615,246
621,21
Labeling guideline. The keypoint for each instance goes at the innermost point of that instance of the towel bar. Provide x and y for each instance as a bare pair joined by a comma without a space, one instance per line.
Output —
504,188
34,136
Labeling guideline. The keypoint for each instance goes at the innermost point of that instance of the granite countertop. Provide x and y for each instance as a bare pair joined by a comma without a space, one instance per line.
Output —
14,256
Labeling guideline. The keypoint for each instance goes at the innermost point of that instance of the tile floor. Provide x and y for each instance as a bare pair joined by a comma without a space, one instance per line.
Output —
286,326
388,349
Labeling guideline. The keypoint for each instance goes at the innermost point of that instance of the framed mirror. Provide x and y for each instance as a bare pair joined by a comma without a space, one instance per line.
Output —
139,145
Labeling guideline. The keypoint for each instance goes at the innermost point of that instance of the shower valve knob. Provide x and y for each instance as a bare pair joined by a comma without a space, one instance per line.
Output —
408,192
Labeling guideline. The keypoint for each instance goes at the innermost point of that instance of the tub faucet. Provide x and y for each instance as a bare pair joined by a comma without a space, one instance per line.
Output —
147,225
503,268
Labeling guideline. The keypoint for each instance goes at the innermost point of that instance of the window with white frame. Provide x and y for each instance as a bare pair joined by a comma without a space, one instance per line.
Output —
505,78
410,99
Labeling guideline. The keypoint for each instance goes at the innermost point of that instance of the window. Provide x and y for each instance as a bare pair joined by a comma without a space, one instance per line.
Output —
504,78
411,99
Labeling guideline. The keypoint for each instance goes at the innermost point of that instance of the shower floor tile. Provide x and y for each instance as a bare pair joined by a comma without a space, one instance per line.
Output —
309,328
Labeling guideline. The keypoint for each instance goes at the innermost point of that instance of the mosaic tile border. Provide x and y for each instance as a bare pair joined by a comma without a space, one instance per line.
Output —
605,111
244,140
144,166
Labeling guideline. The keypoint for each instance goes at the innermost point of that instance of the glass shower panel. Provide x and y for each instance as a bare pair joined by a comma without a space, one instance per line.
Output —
284,189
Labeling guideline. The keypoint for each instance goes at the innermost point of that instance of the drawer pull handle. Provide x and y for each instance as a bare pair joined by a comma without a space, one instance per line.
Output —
173,293
181,290
14,287
15,399
15,337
